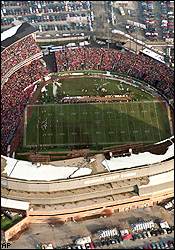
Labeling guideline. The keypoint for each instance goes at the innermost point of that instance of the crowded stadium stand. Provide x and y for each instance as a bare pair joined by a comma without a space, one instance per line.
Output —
139,65
18,47
21,67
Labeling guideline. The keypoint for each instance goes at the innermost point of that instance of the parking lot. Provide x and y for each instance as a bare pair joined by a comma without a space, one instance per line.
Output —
64,235
55,17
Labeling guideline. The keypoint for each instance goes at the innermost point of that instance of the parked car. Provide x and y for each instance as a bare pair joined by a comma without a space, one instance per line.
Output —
161,231
114,241
103,243
144,234
148,246
153,233
140,236
170,243
134,237
148,234
77,247
153,245
161,244
157,245
67,247
108,242
166,245
97,243
169,231
88,246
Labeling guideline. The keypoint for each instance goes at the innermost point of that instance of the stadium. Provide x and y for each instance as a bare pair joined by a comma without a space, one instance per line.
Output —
93,137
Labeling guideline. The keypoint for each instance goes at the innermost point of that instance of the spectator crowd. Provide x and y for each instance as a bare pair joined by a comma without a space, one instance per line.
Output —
15,95
17,53
139,65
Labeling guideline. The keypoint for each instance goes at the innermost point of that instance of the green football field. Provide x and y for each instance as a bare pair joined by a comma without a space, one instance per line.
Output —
95,124
93,87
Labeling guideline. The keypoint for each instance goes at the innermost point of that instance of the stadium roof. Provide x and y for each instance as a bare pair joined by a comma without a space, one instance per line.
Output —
135,160
15,33
27,171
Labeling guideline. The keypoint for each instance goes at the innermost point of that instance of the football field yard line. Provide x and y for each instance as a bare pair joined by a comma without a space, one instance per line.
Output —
102,118
68,126
144,118
134,124
157,121
94,138
97,128
140,128
120,116
79,117
115,121
109,135
91,127
152,124
129,134
85,123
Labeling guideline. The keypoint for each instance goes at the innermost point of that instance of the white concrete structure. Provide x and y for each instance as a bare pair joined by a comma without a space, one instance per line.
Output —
10,32
8,203
26,170
134,160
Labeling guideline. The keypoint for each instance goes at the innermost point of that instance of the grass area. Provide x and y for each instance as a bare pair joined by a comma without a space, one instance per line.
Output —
54,126
92,87
96,124
6,223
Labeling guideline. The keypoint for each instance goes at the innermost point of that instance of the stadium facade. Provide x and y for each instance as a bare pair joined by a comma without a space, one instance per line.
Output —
119,190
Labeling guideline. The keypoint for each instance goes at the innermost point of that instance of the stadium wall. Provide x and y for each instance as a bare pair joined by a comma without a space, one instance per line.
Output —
19,227
52,186
99,209
155,189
